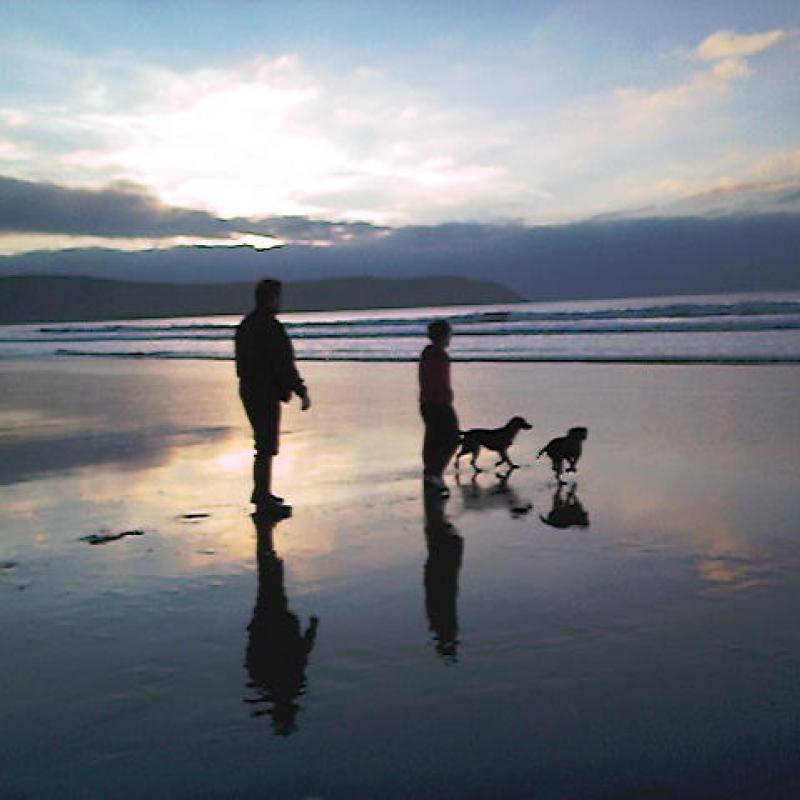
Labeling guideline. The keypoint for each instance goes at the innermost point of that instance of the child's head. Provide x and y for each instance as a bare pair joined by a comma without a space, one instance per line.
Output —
439,332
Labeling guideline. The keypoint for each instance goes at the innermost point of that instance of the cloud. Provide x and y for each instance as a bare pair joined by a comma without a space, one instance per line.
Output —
769,184
731,197
271,136
45,216
275,138
701,86
726,44
598,258
130,212
125,211
9,151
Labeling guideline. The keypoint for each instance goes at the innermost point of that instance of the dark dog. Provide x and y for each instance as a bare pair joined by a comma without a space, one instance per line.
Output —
565,448
497,439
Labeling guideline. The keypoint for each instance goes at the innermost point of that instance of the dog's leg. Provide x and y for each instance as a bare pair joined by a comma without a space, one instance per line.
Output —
504,459
462,452
572,463
474,460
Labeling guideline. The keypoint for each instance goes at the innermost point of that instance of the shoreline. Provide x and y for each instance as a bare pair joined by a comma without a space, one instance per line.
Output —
58,356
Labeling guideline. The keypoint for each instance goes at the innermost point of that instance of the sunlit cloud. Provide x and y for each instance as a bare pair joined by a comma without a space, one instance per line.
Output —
12,118
9,151
270,137
768,184
728,44
703,85
11,244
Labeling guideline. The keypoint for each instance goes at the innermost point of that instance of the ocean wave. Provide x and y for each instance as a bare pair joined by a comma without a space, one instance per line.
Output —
702,329
158,355
129,327
747,309
516,328
587,358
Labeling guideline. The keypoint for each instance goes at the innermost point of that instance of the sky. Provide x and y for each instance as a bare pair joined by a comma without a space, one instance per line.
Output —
156,123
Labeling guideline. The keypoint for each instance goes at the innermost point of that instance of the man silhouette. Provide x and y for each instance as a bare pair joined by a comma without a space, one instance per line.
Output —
267,376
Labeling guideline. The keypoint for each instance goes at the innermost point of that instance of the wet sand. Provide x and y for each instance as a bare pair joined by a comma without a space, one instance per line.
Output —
634,637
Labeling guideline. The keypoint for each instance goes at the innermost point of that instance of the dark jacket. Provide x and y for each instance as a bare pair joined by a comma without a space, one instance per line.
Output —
265,358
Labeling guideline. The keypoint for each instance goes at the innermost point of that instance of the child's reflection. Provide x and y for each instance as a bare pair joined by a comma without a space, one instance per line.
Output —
445,550
277,649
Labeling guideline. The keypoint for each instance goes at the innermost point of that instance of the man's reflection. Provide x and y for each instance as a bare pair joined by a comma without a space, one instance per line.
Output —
445,549
277,649
567,511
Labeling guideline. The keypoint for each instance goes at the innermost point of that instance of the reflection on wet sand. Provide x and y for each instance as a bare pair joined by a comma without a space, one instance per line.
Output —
567,511
501,494
445,551
277,649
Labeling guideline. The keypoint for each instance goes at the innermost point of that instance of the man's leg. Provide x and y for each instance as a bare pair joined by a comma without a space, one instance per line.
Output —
264,416
262,476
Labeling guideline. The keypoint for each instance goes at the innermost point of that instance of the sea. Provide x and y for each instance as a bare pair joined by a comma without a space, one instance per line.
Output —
725,328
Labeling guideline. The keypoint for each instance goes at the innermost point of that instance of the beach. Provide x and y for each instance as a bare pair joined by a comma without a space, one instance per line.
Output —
631,635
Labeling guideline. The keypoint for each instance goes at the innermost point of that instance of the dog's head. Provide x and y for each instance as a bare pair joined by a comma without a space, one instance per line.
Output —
518,424
579,433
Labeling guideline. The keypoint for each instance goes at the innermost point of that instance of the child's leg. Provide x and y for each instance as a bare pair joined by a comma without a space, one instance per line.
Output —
442,438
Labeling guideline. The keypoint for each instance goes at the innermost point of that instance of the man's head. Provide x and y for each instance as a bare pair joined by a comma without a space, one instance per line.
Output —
268,295
439,332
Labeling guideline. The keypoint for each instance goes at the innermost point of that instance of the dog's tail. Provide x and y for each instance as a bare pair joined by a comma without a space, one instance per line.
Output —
541,452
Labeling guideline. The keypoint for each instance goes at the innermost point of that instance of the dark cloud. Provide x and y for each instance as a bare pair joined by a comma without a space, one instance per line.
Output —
598,258
789,198
642,254
129,211
126,211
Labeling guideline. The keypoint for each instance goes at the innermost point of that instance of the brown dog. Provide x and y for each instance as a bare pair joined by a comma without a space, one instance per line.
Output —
497,439
565,448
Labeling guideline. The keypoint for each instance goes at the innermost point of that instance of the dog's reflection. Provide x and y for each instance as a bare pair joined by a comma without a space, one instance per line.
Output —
567,511
445,551
501,494
277,649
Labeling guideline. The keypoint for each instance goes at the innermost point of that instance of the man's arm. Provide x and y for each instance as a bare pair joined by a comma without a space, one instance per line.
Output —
289,378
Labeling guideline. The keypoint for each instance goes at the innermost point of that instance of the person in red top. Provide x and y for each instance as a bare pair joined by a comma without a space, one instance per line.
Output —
436,406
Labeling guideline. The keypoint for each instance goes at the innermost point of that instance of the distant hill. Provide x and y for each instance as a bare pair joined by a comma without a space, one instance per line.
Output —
42,298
